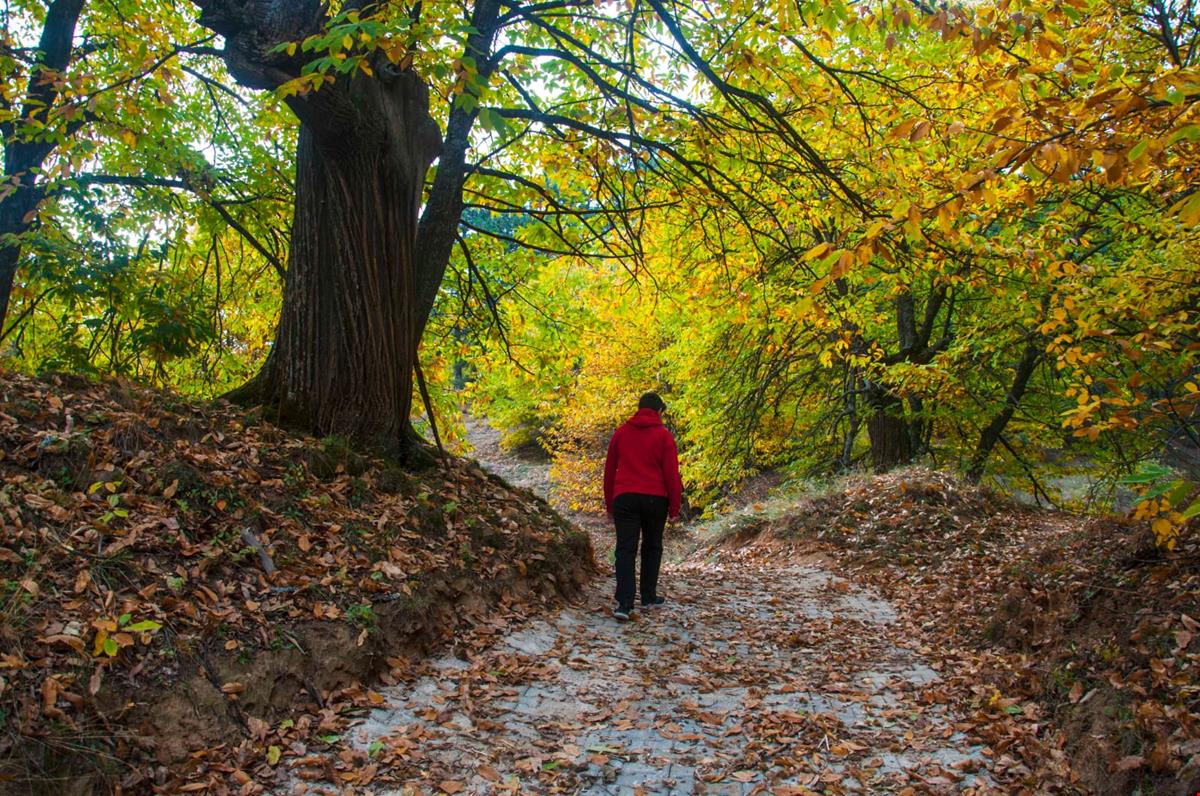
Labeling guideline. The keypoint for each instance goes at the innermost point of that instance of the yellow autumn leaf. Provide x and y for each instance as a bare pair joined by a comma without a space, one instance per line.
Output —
816,251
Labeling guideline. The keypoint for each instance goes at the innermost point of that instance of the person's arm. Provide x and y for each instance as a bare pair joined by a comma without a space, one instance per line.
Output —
610,471
671,477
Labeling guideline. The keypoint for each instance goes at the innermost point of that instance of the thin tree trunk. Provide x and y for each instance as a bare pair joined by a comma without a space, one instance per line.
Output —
992,432
23,158
851,411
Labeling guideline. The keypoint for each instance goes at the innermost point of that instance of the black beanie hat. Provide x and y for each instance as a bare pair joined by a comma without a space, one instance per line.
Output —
651,400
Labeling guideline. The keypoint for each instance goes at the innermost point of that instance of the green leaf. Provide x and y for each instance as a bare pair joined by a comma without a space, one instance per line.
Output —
489,119
144,626
110,647
1190,132
1163,488
1146,473
1180,491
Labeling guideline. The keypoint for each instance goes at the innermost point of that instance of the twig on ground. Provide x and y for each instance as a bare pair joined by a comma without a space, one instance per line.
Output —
264,558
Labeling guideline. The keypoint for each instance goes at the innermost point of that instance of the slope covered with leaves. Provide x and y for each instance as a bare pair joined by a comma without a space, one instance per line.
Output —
1072,640
190,594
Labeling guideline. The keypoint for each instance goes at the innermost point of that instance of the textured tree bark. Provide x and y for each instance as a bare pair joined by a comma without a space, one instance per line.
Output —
888,431
347,339
363,271
23,158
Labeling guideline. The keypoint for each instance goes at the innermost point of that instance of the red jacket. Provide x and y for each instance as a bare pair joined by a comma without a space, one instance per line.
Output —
642,458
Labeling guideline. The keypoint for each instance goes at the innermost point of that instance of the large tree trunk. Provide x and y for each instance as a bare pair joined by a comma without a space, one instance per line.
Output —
362,273
346,344
24,157
12,210
888,430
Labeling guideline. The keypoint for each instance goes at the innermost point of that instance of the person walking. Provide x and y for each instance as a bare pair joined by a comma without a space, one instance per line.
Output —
642,488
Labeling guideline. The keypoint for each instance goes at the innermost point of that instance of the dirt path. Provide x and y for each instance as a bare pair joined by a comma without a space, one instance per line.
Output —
752,679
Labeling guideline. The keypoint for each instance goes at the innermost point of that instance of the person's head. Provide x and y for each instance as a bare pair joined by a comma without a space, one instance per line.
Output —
651,400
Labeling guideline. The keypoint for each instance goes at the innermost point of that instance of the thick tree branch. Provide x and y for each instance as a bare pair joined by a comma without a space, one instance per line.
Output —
438,226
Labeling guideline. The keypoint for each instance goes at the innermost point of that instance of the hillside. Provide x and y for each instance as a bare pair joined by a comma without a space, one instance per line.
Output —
189,595
1072,640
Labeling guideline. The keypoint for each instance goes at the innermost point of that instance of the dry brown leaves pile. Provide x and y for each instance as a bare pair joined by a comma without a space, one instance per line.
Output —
1072,642
144,638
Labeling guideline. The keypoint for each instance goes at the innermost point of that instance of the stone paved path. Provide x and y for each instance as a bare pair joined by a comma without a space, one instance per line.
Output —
752,679
774,680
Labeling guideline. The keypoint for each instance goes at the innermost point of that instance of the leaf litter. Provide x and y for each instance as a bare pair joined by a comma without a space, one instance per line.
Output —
966,644
752,679
1067,640
191,598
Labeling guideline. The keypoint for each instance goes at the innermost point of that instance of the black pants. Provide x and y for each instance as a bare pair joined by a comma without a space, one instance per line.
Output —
645,516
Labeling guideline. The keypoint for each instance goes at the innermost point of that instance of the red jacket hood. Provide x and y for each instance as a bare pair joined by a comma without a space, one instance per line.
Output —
645,418
642,459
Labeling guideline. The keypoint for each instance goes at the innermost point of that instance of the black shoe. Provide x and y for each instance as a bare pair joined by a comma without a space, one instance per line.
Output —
622,613
653,601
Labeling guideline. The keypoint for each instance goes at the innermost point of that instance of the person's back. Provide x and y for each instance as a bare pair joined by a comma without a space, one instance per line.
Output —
642,488
643,460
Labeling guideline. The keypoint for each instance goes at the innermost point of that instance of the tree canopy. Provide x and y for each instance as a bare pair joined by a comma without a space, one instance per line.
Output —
832,234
